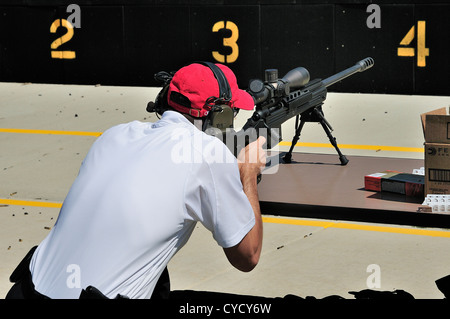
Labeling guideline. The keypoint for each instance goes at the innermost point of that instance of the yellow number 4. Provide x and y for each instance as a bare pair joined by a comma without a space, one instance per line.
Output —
422,51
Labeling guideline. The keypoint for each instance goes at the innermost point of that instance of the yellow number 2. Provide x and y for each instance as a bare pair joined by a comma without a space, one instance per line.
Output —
61,40
227,42
422,51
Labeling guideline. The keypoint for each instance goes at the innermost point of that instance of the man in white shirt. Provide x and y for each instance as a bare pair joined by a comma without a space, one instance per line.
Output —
139,193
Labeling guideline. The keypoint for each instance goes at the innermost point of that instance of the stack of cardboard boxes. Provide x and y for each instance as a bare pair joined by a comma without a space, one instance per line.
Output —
436,178
436,129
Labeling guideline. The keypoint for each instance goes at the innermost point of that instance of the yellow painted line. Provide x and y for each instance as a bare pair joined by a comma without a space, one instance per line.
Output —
383,229
15,202
285,221
299,222
359,147
49,132
282,143
396,230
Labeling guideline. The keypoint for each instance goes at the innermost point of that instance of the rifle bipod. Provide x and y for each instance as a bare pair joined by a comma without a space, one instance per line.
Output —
315,115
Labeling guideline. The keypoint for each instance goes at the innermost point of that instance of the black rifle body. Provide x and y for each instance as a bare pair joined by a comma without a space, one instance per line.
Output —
272,112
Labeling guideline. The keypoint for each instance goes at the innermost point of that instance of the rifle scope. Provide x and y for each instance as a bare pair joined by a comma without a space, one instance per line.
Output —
275,87
295,79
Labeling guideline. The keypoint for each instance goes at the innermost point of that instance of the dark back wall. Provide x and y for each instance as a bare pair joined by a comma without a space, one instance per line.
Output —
126,42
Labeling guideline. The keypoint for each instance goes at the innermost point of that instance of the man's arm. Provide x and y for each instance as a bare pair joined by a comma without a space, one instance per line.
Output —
251,160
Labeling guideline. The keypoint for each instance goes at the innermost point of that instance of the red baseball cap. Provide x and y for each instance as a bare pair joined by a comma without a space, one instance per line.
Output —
195,84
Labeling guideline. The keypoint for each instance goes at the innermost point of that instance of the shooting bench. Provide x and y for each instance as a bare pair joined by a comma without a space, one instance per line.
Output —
317,186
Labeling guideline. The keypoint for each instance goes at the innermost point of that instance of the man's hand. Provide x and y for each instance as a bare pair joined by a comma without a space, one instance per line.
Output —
251,160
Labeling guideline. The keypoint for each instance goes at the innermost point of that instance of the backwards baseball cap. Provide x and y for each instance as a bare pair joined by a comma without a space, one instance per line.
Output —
193,87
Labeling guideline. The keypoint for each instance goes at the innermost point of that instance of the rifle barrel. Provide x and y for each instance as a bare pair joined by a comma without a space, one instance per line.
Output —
360,66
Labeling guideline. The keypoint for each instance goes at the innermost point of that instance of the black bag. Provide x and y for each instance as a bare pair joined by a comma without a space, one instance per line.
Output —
23,287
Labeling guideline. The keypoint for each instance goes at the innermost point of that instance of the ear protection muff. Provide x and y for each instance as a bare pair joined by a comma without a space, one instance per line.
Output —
221,114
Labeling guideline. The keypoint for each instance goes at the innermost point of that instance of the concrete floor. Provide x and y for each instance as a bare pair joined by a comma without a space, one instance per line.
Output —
304,257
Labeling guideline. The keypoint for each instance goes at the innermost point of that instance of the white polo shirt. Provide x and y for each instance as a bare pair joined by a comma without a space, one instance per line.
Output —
135,202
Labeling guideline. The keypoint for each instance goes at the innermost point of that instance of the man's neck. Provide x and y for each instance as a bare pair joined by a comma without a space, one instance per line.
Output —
198,122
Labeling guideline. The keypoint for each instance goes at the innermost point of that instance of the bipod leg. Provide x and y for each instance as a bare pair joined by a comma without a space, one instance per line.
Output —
288,156
326,128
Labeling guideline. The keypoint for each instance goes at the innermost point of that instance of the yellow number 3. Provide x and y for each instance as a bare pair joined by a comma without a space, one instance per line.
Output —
227,42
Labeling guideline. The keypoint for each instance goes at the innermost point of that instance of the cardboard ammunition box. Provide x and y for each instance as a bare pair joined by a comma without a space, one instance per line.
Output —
404,183
437,168
396,182
372,182
436,128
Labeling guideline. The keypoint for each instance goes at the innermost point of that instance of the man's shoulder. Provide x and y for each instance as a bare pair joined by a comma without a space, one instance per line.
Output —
214,151
121,126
